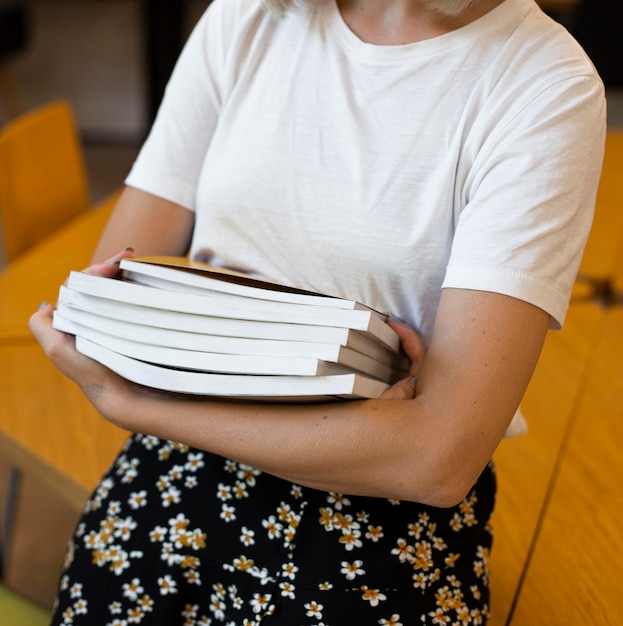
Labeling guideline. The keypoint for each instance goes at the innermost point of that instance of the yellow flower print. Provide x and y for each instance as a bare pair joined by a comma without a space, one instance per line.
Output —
135,615
404,551
146,603
439,617
375,533
394,620
243,564
326,518
351,539
423,556
344,522
193,577
420,580
373,596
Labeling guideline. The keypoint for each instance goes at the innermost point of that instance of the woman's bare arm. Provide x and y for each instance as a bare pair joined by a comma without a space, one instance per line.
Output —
150,225
429,449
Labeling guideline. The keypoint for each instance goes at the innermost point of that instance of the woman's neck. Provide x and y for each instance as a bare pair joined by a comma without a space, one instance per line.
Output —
397,22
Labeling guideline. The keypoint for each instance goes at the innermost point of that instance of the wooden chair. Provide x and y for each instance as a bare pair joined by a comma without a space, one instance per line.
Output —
43,180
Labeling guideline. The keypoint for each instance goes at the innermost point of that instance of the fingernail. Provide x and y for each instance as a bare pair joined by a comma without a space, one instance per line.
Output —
115,260
413,382
43,305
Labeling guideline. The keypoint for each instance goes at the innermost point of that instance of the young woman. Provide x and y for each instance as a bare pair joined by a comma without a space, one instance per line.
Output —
436,159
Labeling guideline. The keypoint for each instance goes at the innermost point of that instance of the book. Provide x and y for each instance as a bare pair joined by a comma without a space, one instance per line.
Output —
251,387
187,327
189,276
156,319
231,355
368,321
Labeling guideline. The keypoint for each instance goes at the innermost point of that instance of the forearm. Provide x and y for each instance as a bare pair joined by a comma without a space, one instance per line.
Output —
430,449
384,448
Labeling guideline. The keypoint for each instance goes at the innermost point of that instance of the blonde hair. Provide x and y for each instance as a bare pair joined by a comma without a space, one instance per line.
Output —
278,6
451,8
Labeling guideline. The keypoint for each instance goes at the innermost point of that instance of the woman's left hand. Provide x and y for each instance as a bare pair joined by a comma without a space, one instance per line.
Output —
415,350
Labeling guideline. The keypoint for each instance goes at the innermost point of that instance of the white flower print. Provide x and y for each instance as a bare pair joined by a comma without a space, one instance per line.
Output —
289,570
338,500
260,602
194,461
135,615
158,534
314,609
133,589
81,607
138,499
273,527
224,492
228,513
287,589
167,585
247,536
352,570
217,607
124,528
115,608
171,496
248,474
375,533
76,590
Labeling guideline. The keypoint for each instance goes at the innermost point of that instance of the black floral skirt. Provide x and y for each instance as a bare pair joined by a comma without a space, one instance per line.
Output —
174,536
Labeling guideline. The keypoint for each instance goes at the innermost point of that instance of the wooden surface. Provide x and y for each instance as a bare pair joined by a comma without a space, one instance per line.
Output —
46,425
556,557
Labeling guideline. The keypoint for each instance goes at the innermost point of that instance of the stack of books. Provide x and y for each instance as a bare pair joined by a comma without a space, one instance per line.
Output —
187,327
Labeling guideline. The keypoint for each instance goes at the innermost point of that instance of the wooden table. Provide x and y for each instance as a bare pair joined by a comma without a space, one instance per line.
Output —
556,559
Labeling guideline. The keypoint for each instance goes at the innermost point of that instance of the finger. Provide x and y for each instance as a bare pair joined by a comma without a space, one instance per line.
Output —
402,390
110,267
40,324
412,344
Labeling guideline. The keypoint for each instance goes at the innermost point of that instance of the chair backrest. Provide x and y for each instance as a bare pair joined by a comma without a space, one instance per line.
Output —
43,180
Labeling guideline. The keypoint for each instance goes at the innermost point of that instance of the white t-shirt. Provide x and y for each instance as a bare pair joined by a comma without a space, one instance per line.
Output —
384,173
